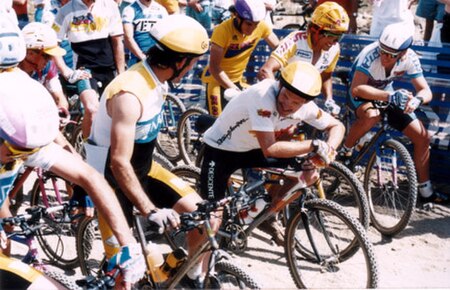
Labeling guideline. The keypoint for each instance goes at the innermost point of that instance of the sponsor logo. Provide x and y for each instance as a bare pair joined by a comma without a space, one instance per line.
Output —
211,169
228,134
264,113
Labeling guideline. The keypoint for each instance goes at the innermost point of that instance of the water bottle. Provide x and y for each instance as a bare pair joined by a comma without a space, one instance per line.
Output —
155,261
173,261
248,215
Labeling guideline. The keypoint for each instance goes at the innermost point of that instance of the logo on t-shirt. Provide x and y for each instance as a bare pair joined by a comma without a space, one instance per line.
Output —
264,113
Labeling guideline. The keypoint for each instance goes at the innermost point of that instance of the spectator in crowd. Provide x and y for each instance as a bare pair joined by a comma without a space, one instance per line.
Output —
386,12
445,36
138,18
431,10
200,10
221,11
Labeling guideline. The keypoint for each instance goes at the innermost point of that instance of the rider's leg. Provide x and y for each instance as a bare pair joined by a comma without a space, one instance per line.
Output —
366,117
89,99
5,247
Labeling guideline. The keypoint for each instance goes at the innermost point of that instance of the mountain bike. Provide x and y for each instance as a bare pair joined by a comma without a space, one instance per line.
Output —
222,272
389,177
324,244
57,236
30,223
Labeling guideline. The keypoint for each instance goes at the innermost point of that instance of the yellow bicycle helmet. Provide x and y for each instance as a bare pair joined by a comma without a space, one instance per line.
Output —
331,16
302,78
182,34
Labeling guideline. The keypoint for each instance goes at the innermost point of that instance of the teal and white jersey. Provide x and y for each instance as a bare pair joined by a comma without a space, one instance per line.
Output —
142,18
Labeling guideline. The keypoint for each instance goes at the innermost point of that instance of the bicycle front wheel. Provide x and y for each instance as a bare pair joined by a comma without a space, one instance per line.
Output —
390,181
188,136
230,276
319,248
167,143
57,235
90,248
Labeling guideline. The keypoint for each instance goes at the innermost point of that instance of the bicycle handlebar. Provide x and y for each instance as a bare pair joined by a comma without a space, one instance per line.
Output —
105,282
34,214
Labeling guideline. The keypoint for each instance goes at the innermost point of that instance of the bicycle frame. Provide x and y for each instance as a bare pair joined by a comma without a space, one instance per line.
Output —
276,205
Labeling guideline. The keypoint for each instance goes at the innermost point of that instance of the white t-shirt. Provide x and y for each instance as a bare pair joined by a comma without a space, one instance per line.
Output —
255,110
386,12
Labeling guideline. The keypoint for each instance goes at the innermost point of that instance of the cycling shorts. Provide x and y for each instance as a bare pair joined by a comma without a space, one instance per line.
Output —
218,165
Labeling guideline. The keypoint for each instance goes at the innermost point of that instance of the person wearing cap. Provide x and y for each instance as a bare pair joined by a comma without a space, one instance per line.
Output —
372,76
42,45
319,45
124,131
259,122
29,124
232,43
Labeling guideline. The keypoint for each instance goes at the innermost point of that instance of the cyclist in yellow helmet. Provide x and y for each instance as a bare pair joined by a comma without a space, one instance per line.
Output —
259,122
318,45
124,132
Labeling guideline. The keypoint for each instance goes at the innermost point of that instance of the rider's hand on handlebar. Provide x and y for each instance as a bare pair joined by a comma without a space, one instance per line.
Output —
413,104
399,98
77,75
130,261
163,219
3,239
331,107
326,153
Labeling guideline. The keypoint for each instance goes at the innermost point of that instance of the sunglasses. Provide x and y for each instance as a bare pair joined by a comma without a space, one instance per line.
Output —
19,153
338,36
389,53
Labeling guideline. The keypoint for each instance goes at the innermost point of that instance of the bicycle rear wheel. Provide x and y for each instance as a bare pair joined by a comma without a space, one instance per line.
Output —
57,235
230,276
390,181
321,252
90,248
166,143
188,136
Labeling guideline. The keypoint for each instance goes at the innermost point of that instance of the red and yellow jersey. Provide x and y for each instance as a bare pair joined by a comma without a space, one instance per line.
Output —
237,47
297,46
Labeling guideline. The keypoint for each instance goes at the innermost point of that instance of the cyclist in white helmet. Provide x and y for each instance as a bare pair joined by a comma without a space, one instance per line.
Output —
124,132
372,76
29,124
232,43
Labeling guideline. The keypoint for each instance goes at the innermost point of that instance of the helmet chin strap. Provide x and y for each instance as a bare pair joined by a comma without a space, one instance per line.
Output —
238,25
177,72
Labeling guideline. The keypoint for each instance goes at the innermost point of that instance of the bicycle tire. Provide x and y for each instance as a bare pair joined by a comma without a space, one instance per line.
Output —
292,26
343,187
78,141
56,236
63,279
342,266
90,248
231,276
166,142
163,161
391,208
188,136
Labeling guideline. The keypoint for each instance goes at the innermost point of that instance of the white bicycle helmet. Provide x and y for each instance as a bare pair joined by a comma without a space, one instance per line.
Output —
397,36
42,37
182,34
251,10
12,45
28,121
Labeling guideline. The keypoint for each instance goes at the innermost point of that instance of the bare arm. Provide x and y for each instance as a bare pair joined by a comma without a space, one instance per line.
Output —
327,85
215,58
125,110
118,51
272,40
362,90
130,43
72,168
286,149
60,99
268,69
